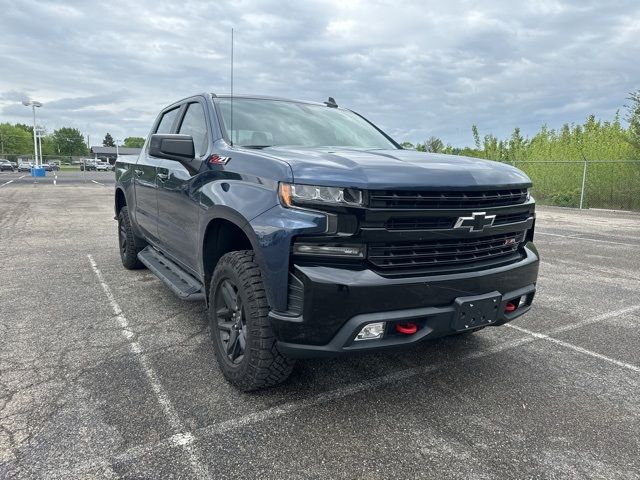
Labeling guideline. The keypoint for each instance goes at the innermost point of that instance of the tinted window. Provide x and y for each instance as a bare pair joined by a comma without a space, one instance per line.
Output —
195,124
167,121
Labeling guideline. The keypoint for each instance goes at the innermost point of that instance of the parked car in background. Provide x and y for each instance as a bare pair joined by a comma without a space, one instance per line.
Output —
46,166
25,167
103,166
53,166
5,166
14,165
88,165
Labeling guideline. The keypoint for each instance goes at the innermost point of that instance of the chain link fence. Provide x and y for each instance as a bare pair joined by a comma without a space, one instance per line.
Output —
578,184
591,184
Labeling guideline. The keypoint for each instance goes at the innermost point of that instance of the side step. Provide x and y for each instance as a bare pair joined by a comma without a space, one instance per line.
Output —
183,284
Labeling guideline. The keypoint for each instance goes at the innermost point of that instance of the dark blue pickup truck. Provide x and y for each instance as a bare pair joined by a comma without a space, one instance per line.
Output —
309,232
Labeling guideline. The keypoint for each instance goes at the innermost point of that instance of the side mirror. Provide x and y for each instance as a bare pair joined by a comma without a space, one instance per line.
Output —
172,147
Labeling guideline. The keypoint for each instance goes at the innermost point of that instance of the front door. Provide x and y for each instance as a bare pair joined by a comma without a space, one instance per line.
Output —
146,181
178,199
145,185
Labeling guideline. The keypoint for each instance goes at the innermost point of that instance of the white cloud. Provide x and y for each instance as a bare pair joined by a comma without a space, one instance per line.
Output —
415,68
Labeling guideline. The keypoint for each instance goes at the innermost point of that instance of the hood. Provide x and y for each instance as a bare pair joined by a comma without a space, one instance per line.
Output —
391,169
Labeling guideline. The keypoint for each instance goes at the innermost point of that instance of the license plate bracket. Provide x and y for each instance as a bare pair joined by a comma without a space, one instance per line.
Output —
476,311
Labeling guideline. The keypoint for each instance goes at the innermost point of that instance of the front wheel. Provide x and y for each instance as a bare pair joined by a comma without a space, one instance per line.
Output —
243,341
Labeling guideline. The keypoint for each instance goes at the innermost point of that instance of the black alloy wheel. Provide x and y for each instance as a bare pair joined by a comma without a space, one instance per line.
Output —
231,321
238,311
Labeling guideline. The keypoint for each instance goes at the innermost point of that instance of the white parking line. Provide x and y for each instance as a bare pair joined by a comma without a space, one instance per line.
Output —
98,183
598,319
578,237
12,180
542,336
182,438
342,392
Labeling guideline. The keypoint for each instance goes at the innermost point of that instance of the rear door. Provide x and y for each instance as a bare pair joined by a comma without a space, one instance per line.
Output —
146,180
177,197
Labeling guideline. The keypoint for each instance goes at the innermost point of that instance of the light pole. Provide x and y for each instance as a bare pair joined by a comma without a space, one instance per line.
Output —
33,104
40,144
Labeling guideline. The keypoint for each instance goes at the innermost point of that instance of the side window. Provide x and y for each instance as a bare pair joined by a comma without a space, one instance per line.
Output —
194,123
167,121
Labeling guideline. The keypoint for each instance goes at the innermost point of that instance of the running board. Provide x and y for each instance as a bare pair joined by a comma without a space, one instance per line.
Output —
172,275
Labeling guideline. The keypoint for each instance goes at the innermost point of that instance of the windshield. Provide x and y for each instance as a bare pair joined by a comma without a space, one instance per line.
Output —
262,123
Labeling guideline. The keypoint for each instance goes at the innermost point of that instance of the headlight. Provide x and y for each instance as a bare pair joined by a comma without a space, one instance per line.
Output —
292,194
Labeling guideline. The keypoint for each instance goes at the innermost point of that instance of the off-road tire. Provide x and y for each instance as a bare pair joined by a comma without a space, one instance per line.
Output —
262,365
132,243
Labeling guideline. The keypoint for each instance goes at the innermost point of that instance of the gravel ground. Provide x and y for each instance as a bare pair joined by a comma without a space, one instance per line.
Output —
104,373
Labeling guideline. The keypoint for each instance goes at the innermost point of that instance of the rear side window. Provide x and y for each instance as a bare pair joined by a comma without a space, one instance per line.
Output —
195,124
167,121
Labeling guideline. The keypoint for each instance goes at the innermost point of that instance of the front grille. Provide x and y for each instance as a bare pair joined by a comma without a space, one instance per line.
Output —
445,223
470,199
512,218
425,223
446,254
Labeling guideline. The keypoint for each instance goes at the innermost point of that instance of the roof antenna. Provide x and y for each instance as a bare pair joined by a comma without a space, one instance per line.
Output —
331,103
231,136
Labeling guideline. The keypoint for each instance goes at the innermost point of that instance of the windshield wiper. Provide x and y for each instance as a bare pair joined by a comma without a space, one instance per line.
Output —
257,147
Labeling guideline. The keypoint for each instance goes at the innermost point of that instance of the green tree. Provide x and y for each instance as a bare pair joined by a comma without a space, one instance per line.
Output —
434,145
516,146
108,141
68,141
25,127
476,135
136,142
15,140
633,117
407,145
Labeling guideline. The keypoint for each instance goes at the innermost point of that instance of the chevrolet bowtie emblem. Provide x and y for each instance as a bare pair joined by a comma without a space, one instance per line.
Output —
476,222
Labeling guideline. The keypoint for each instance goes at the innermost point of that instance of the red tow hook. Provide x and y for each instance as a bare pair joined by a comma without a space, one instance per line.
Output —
406,328
510,307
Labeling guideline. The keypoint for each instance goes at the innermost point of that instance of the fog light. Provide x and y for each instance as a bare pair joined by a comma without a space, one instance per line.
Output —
329,250
371,331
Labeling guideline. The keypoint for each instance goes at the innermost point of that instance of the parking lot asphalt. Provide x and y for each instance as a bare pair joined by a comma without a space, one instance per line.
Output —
104,373
60,177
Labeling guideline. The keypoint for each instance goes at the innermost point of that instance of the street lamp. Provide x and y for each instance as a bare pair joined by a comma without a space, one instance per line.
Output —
33,104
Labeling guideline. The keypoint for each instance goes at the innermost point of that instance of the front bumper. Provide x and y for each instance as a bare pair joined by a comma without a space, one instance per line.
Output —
339,302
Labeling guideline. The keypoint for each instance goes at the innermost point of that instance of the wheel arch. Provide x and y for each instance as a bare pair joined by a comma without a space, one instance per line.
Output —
226,232
120,200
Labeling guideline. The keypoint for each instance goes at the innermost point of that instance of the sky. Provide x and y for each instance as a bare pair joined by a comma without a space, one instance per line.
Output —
415,68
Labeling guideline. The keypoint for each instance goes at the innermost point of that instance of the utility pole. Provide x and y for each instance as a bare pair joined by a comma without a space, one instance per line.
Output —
40,144
33,104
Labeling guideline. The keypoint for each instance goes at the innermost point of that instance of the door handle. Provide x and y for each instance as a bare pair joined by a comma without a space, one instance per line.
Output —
138,172
163,177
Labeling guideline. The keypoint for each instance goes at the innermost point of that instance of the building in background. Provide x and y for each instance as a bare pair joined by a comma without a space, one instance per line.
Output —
109,153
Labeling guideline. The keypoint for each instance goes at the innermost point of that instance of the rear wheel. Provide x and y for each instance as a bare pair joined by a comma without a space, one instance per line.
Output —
244,343
130,244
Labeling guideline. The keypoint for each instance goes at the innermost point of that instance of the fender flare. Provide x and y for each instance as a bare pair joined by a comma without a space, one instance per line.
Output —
223,212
